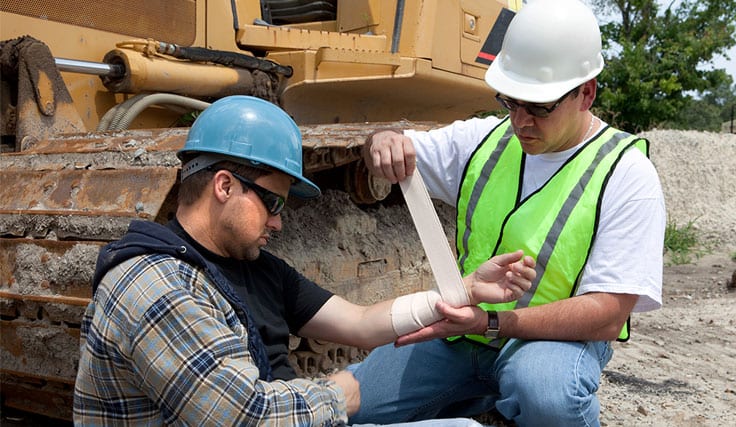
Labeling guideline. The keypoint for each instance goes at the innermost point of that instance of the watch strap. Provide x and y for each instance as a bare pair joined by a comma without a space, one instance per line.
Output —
493,326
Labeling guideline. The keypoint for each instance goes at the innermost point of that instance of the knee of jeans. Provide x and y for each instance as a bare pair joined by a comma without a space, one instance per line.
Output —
352,368
534,387
539,392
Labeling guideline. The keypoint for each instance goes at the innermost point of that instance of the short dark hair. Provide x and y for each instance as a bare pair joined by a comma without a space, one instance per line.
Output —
191,189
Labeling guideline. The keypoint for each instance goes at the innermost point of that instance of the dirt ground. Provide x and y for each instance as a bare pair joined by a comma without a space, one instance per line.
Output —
679,368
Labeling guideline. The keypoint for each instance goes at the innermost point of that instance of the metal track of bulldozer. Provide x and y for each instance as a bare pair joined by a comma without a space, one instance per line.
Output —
65,197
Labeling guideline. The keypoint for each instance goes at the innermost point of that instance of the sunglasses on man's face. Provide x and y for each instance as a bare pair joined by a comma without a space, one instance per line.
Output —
536,110
274,203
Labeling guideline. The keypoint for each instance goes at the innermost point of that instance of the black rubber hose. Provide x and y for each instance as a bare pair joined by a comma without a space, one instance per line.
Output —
225,58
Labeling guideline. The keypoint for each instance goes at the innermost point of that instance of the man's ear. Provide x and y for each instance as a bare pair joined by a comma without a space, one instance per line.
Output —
222,184
588,90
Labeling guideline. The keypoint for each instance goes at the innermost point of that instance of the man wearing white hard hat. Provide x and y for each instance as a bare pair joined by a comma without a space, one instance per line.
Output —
576,194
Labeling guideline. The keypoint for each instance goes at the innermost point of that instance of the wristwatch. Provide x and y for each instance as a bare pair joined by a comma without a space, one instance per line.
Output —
491,332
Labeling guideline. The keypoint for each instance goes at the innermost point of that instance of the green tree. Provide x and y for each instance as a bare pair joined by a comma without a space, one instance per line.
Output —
659,60
707,112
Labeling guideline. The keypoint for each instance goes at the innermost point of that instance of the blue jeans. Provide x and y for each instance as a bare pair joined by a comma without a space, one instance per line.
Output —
455,422
550,383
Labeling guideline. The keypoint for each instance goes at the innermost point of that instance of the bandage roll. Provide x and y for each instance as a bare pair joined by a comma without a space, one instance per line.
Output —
434,241
414,311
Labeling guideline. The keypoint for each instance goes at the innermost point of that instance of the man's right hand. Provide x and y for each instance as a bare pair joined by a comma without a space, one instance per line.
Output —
389,154
351,387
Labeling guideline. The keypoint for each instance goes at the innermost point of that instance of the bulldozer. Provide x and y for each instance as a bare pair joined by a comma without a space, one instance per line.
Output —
97,97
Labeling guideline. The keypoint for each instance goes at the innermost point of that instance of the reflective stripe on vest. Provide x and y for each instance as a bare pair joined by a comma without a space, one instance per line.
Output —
556,224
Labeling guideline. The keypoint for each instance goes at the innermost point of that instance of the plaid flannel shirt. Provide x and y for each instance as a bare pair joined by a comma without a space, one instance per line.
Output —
160,345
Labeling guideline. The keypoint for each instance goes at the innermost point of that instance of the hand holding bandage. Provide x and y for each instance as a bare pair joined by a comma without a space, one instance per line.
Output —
503,278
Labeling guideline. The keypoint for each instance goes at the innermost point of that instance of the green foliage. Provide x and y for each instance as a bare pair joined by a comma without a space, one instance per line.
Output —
187,119
659,63
483,114
682,243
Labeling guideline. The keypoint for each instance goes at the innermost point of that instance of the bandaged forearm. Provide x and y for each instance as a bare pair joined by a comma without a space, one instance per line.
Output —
414,311
417,310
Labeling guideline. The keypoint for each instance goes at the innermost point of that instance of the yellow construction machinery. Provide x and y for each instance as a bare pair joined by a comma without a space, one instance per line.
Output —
96,98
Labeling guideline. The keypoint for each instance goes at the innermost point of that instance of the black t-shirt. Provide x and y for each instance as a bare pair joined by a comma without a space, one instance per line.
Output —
279,298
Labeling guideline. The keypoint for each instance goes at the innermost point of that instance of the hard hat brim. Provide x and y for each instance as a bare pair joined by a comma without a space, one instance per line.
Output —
304,189
532,91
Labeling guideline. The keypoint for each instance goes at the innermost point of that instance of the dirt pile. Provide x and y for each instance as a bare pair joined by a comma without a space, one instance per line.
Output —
698,175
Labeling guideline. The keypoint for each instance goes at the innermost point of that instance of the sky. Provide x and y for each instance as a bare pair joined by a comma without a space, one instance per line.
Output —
728,64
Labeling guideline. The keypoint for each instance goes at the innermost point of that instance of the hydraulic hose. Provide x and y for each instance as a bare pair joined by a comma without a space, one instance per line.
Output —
120,117
201,54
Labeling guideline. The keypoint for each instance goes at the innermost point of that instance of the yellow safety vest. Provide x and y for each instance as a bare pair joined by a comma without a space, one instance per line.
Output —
556,224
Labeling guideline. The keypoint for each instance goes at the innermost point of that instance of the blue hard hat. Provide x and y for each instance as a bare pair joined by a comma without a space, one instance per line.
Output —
252,131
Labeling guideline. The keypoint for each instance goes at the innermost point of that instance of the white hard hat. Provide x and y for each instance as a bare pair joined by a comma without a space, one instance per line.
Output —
550,47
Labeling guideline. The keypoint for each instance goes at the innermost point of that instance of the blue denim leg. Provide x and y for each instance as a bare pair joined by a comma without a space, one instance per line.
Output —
417,382
455,422
551,383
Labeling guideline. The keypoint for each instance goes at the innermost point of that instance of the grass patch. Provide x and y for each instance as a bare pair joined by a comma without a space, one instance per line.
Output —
682,243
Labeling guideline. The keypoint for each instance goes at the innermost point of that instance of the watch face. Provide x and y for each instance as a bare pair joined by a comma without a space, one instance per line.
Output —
492,329
491,334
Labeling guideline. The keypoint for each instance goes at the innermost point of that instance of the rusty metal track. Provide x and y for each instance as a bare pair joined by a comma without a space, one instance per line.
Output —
65,197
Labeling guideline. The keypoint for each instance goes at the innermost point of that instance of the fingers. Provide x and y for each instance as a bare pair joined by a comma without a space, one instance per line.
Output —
351,389
524,268
449,312
517,285
530,262
508,258
391,155
520,276
457,321
421,335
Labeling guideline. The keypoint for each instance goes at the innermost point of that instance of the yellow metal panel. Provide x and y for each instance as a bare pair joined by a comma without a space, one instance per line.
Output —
90,97
418,31
334,65
357,57
446,43
246,11
172,20
483,15
359,16
221,33
285,38
419,92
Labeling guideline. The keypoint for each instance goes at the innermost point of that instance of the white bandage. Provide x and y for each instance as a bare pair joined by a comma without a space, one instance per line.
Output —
434,241
414,311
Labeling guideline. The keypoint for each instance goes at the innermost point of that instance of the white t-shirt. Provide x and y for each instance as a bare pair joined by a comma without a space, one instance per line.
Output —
627,250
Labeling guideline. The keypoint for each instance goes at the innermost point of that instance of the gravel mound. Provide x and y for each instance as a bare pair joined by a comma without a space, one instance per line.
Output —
698,174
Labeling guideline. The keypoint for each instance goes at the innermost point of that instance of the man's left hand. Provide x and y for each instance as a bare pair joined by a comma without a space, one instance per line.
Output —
503,278
458,321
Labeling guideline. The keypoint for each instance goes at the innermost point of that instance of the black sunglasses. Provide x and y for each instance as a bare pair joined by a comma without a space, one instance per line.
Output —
536,110
274,203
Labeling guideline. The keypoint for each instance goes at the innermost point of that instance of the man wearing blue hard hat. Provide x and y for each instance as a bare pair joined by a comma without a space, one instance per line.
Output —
551,178
190,321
